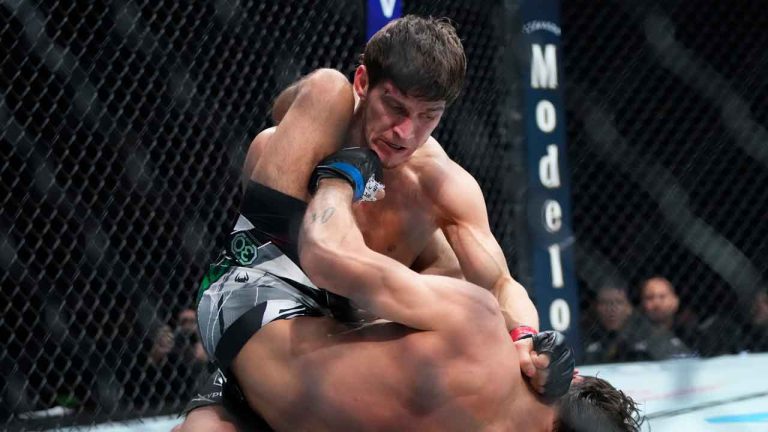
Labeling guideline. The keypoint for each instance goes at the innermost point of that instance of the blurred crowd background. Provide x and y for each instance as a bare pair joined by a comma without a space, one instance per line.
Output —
123,126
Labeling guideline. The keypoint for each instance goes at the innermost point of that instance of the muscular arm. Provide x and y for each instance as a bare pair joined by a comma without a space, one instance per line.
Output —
464,220
284,100
252,156
334,255
314,126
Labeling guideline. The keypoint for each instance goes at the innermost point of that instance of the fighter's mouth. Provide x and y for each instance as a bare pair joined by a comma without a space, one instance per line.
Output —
393,146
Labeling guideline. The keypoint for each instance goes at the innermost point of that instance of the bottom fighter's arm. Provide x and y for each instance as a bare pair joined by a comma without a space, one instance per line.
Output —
334,255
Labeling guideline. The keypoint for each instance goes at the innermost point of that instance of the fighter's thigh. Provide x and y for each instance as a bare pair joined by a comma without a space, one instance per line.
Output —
207,419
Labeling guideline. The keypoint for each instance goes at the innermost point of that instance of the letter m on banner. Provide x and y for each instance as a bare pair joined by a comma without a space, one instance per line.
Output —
543,66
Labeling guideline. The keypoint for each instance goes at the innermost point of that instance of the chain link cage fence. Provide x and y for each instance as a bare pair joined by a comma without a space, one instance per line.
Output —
669,152
123,126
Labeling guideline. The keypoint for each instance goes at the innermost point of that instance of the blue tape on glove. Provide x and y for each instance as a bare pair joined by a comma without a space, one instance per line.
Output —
353,173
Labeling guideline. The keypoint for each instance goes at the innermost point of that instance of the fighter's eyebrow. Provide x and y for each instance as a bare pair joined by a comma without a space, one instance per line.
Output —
390,97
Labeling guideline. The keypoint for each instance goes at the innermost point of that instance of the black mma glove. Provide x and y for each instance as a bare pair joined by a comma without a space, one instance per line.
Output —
359,166
561,363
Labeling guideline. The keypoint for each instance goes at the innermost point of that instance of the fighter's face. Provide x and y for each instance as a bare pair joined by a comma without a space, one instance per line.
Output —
395,124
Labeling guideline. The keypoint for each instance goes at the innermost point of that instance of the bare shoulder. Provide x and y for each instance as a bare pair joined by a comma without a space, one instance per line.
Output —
440,176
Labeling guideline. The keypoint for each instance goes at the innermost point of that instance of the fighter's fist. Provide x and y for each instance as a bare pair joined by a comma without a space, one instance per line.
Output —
361,167
561,363
547,360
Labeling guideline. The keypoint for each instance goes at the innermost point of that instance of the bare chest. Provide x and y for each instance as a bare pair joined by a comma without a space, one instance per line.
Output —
399,226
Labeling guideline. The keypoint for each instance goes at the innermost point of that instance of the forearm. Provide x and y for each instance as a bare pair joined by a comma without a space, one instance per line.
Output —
328,233
328,218
516,306
483,264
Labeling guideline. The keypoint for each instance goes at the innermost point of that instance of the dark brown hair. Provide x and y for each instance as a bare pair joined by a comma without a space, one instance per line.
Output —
423,57
594,405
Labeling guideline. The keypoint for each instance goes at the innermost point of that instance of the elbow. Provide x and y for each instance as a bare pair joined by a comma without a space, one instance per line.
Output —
327,77
328,87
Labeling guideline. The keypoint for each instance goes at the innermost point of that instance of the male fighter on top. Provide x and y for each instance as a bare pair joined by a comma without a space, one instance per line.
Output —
444,363
411,70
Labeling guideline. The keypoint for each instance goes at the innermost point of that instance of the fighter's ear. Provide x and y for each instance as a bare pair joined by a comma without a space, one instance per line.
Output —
360,83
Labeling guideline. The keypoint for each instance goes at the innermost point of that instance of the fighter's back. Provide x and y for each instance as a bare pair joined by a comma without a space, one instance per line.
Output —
318,375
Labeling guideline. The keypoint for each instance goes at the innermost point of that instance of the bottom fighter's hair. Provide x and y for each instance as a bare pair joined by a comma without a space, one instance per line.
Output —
593,404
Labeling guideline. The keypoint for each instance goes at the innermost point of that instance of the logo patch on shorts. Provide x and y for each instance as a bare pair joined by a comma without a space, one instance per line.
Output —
243,249
219,379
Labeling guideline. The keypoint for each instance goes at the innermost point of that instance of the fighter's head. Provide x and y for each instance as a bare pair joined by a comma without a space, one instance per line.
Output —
594,405
410,71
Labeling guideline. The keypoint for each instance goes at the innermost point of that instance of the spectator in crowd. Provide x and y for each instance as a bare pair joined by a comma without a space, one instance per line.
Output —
174,363
622,335
187,339
179,345
660,304
756,331
713,335
162,345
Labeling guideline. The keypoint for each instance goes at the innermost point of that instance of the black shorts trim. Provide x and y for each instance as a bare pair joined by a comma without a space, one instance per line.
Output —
237,335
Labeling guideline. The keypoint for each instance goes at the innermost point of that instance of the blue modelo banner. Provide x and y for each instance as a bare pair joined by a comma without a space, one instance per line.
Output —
549,195
380,12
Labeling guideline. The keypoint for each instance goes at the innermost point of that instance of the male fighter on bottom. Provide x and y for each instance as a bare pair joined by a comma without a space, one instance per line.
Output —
445,362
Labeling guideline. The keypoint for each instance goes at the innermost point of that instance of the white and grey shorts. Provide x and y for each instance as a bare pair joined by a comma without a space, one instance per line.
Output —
235,301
